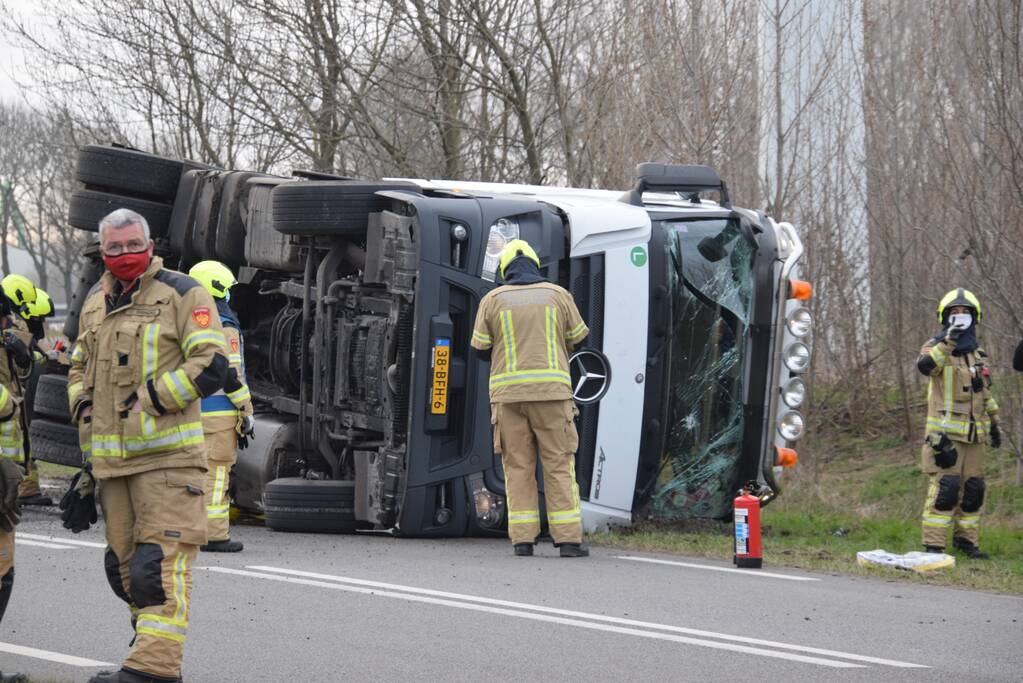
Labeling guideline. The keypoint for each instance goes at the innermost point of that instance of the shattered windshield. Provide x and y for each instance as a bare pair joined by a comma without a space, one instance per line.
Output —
711,281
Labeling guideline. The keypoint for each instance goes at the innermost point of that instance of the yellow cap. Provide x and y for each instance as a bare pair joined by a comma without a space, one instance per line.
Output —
958,297
513,250
214,276
41,308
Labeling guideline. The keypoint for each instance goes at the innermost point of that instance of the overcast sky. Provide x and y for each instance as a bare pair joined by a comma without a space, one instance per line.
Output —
11,57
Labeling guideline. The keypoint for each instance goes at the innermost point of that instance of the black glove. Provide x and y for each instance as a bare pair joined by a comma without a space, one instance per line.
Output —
79,503
996,436
246,429
945,453
10,477
18,349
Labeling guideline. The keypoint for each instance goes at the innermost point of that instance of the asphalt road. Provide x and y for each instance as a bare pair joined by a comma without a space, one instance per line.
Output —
297,607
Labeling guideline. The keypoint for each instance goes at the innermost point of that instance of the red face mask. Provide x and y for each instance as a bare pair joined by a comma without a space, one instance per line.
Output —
127,267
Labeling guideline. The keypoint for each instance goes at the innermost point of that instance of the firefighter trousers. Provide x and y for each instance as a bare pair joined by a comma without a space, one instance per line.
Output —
155,523
955,495
521,430
220,455
29,485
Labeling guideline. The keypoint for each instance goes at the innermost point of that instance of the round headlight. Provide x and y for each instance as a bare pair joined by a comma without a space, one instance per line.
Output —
458,232
800,321
797,357
794,392
790,426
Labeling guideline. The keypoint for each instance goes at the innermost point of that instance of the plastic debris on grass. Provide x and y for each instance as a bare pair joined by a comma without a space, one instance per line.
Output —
915,561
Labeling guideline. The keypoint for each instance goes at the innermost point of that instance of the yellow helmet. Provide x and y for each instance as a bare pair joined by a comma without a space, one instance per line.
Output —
19,289
513,250
958,297
41,308
214,276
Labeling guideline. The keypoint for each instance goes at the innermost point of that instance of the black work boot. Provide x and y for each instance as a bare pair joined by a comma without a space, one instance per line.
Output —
574,550
225,546
969,549
12,678
933,549
35,499
524,549
130,676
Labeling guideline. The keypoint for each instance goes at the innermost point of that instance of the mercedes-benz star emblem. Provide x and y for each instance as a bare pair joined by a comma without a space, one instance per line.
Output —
591,376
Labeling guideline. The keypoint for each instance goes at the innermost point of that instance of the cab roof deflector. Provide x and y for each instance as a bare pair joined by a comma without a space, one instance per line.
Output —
687,179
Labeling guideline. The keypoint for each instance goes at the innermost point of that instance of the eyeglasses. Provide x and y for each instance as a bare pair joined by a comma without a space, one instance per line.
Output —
129,248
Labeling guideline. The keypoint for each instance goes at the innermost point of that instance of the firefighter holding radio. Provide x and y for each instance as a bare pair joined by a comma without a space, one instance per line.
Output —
526,328
962,416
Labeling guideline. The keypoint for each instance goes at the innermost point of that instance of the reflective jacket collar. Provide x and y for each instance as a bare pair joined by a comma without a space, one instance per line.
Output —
111,286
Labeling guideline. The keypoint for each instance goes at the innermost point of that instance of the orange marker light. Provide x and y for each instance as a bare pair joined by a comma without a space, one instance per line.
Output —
800,289
786,457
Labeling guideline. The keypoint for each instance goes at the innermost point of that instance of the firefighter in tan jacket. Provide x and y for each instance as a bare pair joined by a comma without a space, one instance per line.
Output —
227,414
15,359
526,329
150,346
961,417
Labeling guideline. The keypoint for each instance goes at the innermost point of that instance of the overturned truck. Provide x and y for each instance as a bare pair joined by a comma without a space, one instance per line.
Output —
357,300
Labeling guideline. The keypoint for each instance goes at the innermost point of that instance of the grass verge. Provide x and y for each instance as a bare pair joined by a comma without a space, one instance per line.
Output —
869,499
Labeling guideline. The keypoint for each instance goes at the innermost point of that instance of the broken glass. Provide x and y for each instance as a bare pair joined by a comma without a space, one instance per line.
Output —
711,283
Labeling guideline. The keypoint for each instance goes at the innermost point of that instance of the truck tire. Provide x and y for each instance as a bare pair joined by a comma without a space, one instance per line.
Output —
55,442
51,398
88,207
325,207
128,171
297,504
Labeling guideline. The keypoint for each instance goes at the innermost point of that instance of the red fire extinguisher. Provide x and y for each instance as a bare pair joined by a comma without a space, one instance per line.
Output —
747,529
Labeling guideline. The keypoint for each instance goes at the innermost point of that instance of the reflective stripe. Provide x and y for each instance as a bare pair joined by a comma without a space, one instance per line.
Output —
991,405
73,392
218,484
147,423
482,338
77,355
114,446
201,337
527,376
938,356
510,360
5,398
936,520
11,443
574,515
161,627
576,332
551,323
968,521
218,511
959,427
180,387
948,379
524,516
240,396
180,567
234,358
150,351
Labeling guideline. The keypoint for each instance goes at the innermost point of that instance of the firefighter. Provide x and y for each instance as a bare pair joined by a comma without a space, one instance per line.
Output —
150,346
10,471
35,313
961,417
526,329
226,415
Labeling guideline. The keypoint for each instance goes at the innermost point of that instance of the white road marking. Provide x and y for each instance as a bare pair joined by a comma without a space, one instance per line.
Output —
24,541
58,539
536,617
693,565
51,656
593,617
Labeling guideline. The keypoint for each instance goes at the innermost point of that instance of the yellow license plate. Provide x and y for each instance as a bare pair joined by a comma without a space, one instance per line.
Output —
441,366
